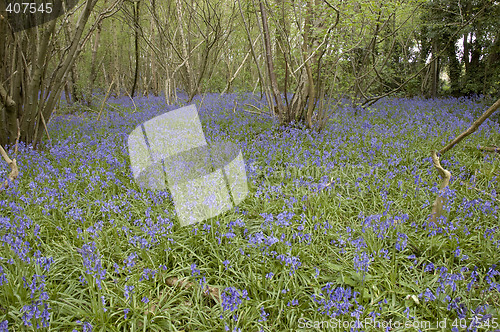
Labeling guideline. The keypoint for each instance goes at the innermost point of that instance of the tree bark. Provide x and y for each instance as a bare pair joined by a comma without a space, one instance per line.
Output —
184,48
136,45
472,128
282,113
36,95
434,69
93,66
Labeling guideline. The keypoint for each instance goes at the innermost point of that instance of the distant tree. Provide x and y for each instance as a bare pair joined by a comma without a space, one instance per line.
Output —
299,46
469,27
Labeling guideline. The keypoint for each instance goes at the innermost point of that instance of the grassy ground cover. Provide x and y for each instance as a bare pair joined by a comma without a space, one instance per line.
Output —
334,234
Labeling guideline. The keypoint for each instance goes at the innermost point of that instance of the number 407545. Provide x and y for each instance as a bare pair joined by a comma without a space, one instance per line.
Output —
29,7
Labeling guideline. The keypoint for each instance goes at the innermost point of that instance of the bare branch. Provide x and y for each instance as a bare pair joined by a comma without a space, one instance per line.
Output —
489,148
106,98
472,128
5,98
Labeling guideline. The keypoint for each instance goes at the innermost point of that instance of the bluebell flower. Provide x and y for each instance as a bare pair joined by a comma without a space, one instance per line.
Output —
3,276
232,298
263,315
87,327
402,241
362,262
335,301
128,290
194,270
428,295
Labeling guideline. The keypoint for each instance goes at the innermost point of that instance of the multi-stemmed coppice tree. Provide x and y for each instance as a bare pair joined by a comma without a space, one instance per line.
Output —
34,66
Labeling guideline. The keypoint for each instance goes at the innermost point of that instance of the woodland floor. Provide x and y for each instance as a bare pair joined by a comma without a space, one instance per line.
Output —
333,235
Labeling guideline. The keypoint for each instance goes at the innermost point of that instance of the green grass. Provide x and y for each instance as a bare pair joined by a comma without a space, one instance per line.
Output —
80,193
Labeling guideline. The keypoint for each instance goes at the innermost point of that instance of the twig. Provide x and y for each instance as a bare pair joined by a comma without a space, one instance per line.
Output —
17,139
202,100
133,102
258,109
105,98
45,127
174,282
489,149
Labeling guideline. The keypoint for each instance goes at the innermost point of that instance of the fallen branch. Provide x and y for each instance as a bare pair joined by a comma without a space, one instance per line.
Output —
212,291
489,149
133,102
259,111
440,203
472,128
481,191
45,127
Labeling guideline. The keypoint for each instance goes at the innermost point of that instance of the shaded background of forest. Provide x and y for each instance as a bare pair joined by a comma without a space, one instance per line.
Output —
295,53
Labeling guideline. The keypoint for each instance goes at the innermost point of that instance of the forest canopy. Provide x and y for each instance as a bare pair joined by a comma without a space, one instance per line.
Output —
300,55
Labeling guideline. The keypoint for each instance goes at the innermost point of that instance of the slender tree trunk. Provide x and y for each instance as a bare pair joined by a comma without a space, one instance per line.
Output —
493,58
306,50
466,54
282,113
116,60
454,69
281,33
188,72
136,36
33,92
434,70
93,66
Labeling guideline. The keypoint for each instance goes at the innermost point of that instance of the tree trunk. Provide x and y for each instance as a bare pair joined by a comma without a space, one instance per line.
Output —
282,113
116,60
93,66
434,70
136,44
188,72
454,69
34,100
